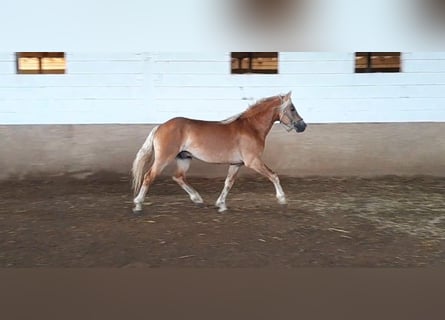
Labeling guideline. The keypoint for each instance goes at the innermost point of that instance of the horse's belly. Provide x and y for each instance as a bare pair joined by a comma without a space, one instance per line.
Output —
215,155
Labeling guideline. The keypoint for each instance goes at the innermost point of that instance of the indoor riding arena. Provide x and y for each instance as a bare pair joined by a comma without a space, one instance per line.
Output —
365,182
358,222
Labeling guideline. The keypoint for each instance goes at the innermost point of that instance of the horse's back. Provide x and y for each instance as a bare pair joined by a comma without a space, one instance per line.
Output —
180,128
184,121
194,125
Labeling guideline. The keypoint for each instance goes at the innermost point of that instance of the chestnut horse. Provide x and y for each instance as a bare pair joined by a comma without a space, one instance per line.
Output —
236,141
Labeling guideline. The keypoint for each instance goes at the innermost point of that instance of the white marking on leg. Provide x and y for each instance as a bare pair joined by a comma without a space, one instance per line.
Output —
221,202
279,190
140,198
230,179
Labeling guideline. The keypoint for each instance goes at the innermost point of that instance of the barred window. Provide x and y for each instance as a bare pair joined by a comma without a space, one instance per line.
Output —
254,62
367,62
41,62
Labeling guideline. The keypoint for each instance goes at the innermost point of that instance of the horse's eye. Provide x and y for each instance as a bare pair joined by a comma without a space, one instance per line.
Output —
292,108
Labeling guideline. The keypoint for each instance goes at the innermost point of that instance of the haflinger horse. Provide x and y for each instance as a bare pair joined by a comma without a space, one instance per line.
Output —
236,141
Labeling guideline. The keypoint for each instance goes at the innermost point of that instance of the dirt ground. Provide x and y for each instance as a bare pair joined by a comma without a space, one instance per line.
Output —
382,222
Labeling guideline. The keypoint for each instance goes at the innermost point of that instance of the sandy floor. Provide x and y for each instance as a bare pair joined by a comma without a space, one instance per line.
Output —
63,222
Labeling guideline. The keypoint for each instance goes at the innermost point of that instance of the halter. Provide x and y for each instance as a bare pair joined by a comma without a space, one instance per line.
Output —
287,127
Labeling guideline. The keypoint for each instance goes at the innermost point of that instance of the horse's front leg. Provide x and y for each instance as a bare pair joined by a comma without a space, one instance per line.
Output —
230,179
259,166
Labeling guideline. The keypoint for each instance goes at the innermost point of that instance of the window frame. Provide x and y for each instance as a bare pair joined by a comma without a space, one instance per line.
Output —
40,56
251,56
373,69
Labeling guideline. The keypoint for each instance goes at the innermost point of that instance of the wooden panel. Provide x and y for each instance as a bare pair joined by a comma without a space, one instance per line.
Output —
7,67
105,67
283,81
53,63
431,55
28,63
73,93
40,54
105,56
310,67
71,80
192,56
192,67
64,111
316,56
424,66
7,56
149,87
344,92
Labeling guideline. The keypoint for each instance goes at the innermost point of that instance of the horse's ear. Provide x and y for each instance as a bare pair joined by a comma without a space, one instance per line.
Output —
287,96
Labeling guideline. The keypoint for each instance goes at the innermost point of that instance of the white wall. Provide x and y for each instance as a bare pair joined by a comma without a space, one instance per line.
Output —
325,87
107,88
153,87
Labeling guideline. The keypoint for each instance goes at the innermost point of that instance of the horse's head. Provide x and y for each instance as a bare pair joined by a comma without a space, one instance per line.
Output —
289,116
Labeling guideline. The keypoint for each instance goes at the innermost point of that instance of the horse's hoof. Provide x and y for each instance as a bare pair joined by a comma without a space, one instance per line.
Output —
222,209
137,210
200,204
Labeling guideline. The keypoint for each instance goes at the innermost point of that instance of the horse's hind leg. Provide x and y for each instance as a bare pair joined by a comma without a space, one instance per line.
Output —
149,178
183,165
230,180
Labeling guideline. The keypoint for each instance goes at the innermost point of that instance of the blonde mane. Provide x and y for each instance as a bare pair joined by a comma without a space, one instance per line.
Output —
250,111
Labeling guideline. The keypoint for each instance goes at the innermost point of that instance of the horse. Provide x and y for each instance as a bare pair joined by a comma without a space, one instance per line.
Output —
237,141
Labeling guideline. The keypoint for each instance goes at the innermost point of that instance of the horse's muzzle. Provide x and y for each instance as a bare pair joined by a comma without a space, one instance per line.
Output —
300,126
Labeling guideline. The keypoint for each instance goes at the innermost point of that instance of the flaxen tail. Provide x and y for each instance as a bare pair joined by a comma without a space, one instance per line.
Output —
143,159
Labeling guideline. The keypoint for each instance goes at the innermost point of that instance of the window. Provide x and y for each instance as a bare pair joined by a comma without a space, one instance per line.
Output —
40,62
254,62
367,62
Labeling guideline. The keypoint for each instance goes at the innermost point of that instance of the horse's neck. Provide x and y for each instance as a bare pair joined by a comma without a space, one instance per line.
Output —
264,120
